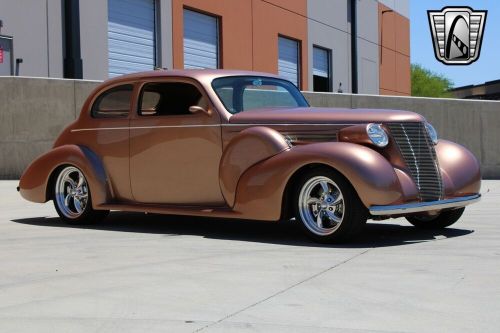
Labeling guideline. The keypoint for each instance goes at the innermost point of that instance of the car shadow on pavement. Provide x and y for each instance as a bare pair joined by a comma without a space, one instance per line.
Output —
379,234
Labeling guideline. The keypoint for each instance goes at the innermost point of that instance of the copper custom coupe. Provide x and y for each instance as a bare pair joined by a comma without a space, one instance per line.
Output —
247,145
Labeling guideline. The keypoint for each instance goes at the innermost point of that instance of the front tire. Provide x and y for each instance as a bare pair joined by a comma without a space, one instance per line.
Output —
327,206
72,198
441,221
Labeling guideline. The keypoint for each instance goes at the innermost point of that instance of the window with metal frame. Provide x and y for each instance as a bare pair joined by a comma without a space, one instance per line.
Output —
201,40
322,73
289,60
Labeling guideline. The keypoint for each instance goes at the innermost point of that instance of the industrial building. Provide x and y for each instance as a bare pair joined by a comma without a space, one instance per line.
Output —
309,42
488,91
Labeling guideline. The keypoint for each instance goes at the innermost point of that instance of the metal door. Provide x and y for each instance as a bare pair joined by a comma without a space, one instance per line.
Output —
131,36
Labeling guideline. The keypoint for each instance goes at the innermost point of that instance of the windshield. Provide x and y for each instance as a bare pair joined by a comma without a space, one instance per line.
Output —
242,93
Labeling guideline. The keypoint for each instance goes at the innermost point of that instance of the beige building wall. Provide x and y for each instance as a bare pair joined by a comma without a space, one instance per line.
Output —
37,30
249,37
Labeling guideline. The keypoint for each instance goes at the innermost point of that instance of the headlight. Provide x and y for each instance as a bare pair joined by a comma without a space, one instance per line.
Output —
377,134
432,133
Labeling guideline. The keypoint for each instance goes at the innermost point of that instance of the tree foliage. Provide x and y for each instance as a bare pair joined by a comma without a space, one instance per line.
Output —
425,83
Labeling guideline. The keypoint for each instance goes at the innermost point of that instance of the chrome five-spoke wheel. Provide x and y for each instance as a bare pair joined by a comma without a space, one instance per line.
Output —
72,192
72,197
327,206
321,205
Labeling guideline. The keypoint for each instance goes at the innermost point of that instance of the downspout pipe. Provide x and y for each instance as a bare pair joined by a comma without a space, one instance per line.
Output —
354,46
73,67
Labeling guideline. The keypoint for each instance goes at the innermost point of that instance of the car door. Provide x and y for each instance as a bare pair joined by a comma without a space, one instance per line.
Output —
174,153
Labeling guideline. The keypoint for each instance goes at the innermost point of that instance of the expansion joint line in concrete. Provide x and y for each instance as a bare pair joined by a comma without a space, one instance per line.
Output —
282,291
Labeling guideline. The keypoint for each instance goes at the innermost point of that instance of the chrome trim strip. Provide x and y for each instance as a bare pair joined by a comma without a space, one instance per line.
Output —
191,126
290,124
98,129
138,127
416,207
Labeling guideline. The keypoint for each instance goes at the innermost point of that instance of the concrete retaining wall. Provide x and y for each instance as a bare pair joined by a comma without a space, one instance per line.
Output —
33,112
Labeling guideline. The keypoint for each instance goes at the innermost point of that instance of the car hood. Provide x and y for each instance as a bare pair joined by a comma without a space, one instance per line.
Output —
308,115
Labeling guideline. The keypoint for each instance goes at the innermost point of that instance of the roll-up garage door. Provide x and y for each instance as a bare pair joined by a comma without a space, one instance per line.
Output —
201,40
288,60
131,36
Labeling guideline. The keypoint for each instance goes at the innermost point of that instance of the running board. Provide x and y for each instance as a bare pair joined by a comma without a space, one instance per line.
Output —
219,212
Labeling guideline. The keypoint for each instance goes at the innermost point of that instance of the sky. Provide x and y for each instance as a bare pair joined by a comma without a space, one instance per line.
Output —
487,68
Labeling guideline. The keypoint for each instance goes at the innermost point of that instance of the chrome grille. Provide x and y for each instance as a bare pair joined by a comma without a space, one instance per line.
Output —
420,157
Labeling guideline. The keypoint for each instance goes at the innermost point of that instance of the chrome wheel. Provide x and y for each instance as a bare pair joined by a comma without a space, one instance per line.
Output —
321,205
71,192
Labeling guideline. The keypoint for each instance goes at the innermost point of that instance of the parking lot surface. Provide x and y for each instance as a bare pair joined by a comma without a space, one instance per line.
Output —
152,273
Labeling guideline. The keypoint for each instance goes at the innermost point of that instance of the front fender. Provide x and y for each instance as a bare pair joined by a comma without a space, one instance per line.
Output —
261,188
249,147
460,169
34,181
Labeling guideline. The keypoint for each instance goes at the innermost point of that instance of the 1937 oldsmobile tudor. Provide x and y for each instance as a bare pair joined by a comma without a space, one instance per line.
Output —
246,145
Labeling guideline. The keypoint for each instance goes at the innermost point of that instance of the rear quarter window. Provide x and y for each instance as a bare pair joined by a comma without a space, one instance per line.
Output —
113,103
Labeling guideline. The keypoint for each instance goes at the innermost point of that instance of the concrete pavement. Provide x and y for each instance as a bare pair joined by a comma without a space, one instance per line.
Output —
150,273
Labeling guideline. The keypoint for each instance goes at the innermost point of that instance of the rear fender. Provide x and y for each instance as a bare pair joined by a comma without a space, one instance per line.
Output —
261,188
35,179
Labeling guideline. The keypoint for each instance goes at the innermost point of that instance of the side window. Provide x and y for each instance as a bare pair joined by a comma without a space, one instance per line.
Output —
113,103
149,102
170,98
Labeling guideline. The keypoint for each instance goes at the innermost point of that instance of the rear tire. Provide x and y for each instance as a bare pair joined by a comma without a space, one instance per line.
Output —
327,206
441,221
72,198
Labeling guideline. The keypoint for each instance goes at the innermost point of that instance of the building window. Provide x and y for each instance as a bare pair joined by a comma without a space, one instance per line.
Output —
289,60
322,73
201,40
131,36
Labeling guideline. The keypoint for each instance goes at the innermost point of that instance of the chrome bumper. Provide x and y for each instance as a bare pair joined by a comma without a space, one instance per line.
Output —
416,207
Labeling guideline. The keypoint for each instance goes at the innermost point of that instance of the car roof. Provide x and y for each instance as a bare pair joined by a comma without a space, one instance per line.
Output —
206,75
